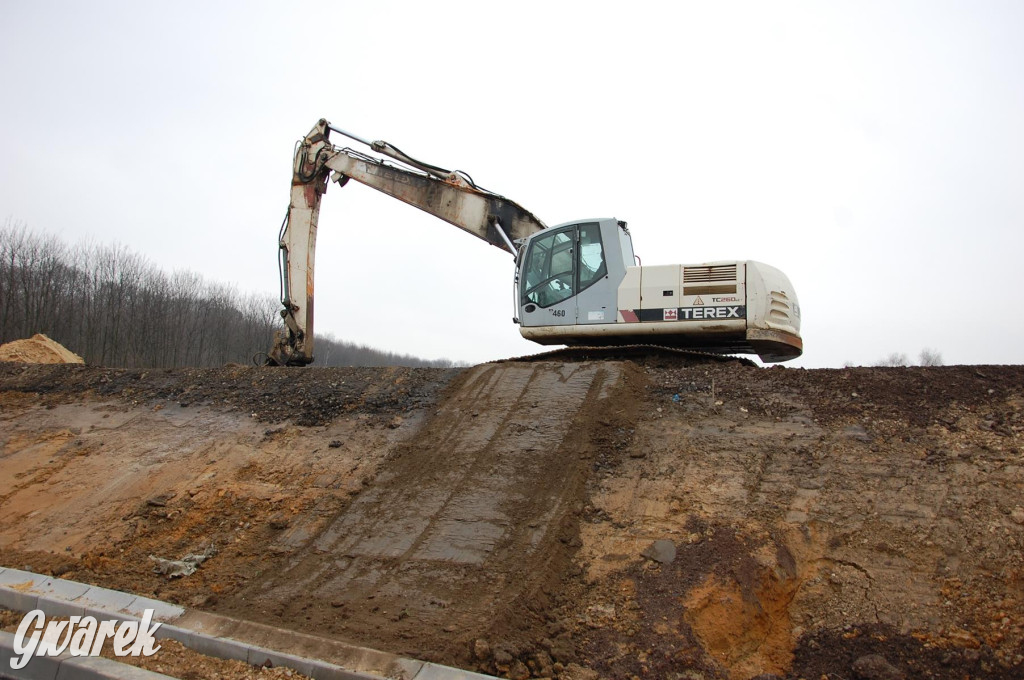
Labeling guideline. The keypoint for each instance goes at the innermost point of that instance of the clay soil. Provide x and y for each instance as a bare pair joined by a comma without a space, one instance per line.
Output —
571,519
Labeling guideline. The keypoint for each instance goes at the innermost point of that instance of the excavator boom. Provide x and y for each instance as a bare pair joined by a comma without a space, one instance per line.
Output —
450,196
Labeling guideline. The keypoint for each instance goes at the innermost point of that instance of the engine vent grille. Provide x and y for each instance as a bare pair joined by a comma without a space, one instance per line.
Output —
721,272
779,308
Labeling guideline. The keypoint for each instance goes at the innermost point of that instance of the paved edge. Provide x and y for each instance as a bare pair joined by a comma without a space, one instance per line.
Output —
67,666
210,634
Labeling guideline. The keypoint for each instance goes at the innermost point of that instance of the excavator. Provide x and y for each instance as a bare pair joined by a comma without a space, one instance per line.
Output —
576,284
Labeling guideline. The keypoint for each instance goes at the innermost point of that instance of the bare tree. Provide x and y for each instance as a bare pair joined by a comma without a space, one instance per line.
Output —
894,359
930,357
113,307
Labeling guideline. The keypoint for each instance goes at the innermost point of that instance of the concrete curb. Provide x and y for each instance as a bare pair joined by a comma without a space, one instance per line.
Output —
70,667
210,634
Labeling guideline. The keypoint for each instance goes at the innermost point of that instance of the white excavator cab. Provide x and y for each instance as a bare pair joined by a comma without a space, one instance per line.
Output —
578,285
569,274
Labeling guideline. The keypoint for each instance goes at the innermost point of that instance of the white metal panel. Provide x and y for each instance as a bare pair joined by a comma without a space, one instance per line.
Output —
629,292
660,287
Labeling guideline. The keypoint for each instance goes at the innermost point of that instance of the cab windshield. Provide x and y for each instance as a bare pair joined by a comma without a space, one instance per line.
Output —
555,270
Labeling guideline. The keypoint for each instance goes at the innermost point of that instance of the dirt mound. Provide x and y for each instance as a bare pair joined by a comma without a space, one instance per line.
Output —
308,397
555,519
38,349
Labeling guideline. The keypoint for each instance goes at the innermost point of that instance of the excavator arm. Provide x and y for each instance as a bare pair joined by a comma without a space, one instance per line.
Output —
450,196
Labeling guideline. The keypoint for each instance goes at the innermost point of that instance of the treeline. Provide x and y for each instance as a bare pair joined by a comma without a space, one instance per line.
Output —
114,308
928,357
329,351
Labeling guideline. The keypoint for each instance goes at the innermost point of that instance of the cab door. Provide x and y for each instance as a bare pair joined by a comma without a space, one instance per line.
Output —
595,296
548,279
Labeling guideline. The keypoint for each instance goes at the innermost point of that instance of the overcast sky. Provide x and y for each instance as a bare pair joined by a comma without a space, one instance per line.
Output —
872,151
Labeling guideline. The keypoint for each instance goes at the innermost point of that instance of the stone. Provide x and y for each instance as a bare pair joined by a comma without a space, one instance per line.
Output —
519,671
481,650
545,666
574,671
563,650
875,667
660,551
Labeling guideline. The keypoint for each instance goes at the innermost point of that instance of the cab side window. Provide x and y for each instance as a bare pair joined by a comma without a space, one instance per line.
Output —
592,265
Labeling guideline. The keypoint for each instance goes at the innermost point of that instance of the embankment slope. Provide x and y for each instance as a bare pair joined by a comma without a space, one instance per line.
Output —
573,519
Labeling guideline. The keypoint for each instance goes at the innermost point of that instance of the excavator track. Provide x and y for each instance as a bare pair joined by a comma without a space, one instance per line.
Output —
614,352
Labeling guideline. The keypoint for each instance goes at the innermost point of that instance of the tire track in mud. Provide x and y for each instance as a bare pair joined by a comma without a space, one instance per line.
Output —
468,529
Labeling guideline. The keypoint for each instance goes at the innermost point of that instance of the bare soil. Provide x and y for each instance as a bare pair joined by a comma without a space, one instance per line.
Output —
572,519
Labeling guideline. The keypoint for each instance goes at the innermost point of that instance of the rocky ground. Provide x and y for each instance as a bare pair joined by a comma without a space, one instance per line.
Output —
571,519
